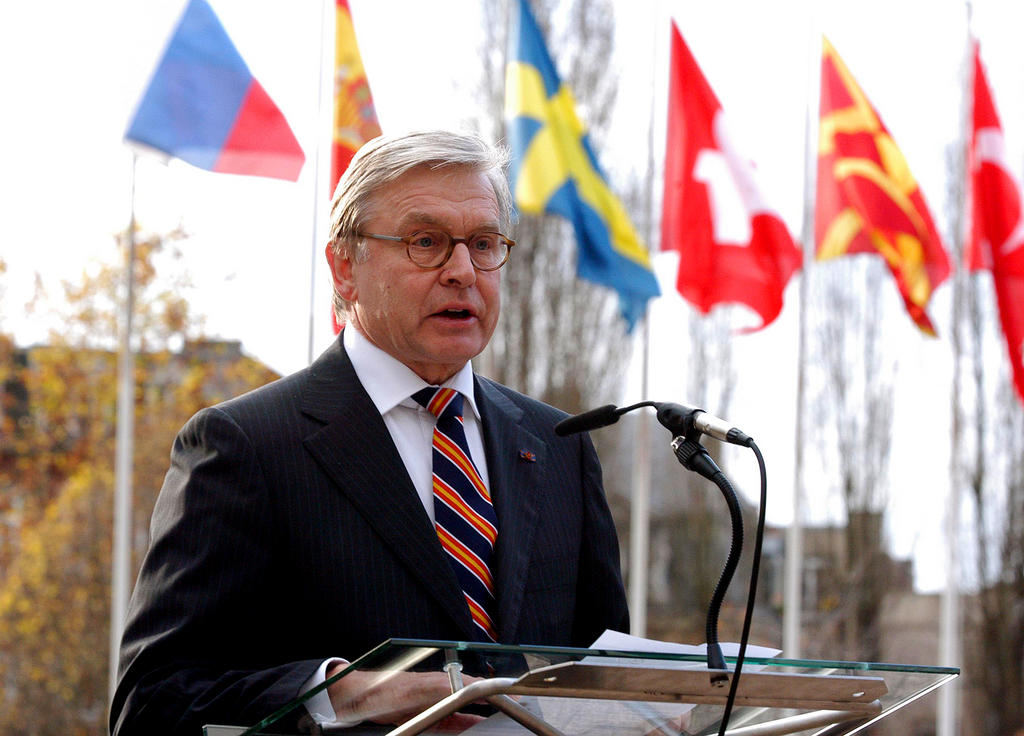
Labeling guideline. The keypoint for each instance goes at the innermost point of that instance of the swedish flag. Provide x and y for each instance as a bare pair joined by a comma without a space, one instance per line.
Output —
554,169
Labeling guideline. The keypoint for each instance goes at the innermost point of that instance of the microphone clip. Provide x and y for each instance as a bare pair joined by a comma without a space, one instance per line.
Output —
679,420
692,455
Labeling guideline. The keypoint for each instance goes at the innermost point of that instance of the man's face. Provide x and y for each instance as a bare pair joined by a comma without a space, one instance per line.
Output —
432,320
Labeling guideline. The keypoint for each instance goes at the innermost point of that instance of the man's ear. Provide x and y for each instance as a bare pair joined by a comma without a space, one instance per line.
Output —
341,273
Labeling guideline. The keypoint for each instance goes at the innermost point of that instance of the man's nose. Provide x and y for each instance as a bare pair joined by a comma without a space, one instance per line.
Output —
459,268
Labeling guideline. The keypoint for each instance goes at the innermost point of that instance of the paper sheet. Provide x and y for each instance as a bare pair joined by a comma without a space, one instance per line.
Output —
614,717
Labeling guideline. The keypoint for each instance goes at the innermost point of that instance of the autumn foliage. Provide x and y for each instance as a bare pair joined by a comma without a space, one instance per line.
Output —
57,444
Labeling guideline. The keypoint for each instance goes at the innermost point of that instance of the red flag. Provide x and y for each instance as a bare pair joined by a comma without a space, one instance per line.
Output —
867,200
996,238
355,120
704,178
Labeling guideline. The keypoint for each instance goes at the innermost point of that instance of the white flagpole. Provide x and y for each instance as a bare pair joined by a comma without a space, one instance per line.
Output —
325,5
640,506
950,650
640,496
121,551
793,585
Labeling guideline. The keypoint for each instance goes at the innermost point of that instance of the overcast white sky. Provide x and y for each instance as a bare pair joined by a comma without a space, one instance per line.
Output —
72,72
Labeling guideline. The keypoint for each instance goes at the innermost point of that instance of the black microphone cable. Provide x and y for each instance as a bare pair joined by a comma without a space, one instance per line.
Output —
694,457
755,567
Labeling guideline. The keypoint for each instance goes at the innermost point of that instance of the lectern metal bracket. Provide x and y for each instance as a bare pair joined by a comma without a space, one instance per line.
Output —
831,699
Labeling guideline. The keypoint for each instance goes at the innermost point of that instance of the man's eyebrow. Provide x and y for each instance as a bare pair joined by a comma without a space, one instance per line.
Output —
421,218
416,219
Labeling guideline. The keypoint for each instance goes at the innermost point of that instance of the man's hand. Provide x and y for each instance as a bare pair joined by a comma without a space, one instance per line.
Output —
392,697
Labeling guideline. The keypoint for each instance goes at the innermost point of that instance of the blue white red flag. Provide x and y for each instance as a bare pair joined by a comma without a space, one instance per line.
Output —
204,106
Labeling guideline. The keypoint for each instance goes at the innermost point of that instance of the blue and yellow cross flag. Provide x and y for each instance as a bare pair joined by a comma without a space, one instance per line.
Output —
554,170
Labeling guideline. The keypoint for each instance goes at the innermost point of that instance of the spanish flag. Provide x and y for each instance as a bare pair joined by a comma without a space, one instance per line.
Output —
355,120
867,200
554,170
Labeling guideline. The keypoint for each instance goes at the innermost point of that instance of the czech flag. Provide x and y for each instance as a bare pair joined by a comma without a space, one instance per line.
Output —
204,106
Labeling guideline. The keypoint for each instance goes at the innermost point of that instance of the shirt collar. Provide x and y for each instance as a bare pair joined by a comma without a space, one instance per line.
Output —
389,382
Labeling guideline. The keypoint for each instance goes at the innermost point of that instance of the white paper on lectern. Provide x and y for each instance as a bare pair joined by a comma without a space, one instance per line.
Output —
613,717
616,640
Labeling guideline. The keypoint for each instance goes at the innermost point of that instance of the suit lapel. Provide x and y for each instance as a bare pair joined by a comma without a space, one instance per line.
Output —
355,449
515,462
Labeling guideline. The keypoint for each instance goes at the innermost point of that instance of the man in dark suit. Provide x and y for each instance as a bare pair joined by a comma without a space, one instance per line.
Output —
299,525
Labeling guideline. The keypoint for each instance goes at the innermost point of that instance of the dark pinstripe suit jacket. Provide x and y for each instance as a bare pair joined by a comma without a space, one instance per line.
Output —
288,531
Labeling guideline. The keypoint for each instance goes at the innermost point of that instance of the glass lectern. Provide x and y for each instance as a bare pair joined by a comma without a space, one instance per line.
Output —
556,690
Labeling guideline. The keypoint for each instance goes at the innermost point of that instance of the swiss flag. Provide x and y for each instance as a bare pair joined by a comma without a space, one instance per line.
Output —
746,259
996,238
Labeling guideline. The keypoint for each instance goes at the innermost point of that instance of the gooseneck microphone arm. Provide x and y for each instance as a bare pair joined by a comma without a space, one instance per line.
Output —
686,425
693,456
682,422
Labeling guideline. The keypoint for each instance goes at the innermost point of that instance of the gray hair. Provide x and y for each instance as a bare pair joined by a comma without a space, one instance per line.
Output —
386,158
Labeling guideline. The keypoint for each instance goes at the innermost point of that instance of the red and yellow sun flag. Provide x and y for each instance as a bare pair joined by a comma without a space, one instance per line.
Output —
867,199
355,120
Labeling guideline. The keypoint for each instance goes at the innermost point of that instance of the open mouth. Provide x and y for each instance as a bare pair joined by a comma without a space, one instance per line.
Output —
454,314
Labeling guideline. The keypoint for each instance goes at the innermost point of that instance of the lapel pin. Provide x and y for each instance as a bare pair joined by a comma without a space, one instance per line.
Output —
527,456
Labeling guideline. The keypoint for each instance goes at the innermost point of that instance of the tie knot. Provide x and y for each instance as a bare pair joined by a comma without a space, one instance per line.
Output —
440,401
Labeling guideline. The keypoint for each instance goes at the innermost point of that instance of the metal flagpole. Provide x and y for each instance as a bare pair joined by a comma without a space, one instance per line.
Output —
949,611
793,585
484,363
314,248
640,506
121,551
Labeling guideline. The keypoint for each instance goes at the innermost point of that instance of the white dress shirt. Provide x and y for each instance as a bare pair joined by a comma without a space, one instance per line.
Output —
391,384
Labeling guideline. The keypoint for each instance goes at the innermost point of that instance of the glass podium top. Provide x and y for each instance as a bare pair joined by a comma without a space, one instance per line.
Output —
558,690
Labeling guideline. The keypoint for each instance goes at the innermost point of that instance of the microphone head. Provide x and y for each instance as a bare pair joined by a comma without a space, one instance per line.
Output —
588,420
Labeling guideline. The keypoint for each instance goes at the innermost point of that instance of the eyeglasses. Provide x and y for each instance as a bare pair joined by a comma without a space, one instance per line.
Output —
488,251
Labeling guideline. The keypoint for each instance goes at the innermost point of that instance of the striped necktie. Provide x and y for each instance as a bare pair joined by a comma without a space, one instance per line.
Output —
463,515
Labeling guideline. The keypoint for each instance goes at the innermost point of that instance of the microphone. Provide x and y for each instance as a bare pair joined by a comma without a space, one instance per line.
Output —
588,420
676,417
681,418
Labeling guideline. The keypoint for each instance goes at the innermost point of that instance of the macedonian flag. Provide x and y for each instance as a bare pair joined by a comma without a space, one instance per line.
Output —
867,199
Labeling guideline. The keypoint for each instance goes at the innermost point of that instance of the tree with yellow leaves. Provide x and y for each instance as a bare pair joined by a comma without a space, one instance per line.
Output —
57,441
